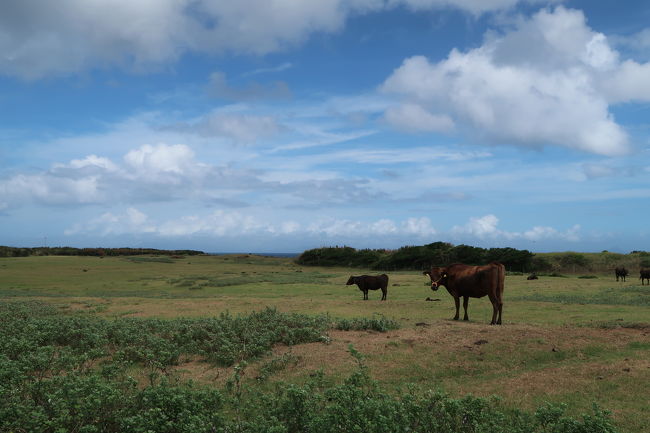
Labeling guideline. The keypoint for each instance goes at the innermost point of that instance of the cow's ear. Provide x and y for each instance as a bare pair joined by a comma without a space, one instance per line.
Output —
444,275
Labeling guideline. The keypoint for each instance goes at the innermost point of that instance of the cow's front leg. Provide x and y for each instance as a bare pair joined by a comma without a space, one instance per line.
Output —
365,295
465,301
457,302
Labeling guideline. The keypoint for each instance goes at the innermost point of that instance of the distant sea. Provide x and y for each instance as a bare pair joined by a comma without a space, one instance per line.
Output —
261,254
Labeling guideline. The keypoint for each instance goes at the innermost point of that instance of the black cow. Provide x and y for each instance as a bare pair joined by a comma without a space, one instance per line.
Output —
370,282
532,277
472,282
621,273
645,275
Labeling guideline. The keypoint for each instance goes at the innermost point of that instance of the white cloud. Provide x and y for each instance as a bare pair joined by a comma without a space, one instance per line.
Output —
160,159
223,223
485,227
91,161
218,223
630,82
481,227
243,129
51,189
541,83
38,39
414,118
419,226
132,221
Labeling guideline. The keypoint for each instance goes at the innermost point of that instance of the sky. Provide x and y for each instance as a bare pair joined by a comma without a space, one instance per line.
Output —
285,125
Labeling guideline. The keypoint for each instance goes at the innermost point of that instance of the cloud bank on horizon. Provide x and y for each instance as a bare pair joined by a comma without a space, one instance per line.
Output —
286,125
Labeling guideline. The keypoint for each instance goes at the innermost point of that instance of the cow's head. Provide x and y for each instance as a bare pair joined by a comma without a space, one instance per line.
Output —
350,281
438,277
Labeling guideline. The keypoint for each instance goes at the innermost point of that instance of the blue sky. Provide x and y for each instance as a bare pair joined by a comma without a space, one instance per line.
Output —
283,125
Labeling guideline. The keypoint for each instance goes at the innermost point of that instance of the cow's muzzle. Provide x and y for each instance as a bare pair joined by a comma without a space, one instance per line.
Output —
434,286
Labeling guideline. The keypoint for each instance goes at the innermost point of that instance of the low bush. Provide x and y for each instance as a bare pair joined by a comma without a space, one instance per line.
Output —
74,373
376,323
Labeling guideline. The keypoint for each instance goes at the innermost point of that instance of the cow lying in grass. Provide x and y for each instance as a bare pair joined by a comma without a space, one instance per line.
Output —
370,282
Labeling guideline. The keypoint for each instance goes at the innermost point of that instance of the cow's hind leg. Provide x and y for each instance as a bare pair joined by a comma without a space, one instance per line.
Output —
465,301
383,293
500,311
495,312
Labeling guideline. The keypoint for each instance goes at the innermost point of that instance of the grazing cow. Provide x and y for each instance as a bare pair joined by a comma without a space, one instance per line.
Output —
532,277
472,282
370,282
645,275
621,272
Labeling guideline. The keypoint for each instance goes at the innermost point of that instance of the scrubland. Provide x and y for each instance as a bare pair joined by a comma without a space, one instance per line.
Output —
251,343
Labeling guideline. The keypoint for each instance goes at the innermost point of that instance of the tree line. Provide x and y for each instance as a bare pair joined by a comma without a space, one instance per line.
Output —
417,257
6,251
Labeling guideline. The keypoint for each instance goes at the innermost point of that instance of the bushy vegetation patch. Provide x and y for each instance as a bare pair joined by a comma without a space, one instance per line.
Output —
359,404
416,257
64,372
443,254
376,323
6,251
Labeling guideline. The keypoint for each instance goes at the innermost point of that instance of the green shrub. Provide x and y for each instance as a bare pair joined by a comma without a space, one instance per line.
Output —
72,373
376,323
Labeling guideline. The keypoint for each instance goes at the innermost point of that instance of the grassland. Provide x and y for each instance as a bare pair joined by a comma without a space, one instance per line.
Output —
573,340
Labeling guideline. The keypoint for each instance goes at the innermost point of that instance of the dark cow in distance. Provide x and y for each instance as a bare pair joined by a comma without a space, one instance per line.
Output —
472,282
532,277
370,282
645,275
621,273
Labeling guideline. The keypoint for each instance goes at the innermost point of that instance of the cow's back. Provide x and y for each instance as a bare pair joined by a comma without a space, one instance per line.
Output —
476,281
373,282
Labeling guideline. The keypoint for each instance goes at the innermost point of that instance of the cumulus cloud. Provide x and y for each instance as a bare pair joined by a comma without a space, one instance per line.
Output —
219,223
225,223
132,221
161,159
546,81
414,118
232,224
150,172
168,173
485,227
38,38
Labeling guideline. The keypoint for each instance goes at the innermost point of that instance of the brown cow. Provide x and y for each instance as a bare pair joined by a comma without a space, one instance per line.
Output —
645,275
472,282
370,282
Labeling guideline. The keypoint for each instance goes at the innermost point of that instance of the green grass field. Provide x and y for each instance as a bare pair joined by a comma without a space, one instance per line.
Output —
573,340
